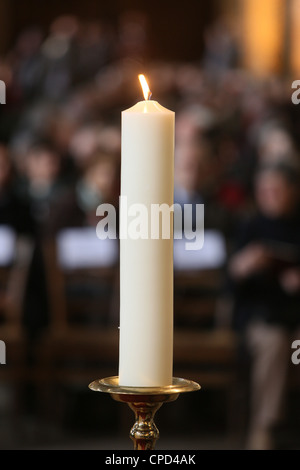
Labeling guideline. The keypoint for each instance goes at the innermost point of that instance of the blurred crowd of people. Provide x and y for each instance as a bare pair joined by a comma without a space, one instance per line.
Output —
237,151
67,87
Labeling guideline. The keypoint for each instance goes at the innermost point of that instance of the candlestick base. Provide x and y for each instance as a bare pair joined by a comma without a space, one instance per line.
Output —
144,401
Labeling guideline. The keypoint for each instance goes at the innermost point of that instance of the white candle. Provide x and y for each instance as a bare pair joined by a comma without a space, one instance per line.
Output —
146,265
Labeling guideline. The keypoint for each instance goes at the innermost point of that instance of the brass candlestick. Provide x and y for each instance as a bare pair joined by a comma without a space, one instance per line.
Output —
144,401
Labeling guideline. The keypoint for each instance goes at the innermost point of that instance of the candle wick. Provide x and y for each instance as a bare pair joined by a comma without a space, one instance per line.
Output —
149,95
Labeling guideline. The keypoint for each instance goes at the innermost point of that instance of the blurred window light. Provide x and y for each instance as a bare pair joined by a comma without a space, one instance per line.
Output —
294,17
212,256
7,245
81,248
263,35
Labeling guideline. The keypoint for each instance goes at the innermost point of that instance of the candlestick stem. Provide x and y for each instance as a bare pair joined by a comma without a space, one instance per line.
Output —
144,432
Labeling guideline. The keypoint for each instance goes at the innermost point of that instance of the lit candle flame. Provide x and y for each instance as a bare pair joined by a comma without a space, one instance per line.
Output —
145,87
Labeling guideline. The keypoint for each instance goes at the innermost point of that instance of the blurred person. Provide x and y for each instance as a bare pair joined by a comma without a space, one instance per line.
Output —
232,174
34,125
190,158
192,119
19,145
197,169
59,130
275,143
109,138
40,185
115,86
6,73
93,50
221,51
265,272
52,123
98,184
74,219
186,185
189,82
84,143
10,113
113,89
14,212
27,63
188,162
91,136
58,52
13,93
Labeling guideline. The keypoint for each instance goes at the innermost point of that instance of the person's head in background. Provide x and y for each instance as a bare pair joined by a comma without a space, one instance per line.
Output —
188,160
192,152
61,127
28,43
89,138
192,120
99,182
277,190
5,167
274,144
42,168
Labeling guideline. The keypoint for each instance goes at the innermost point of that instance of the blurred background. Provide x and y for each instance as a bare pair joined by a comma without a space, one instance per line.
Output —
226,68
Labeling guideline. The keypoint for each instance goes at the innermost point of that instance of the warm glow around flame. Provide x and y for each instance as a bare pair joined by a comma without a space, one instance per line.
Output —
145,87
